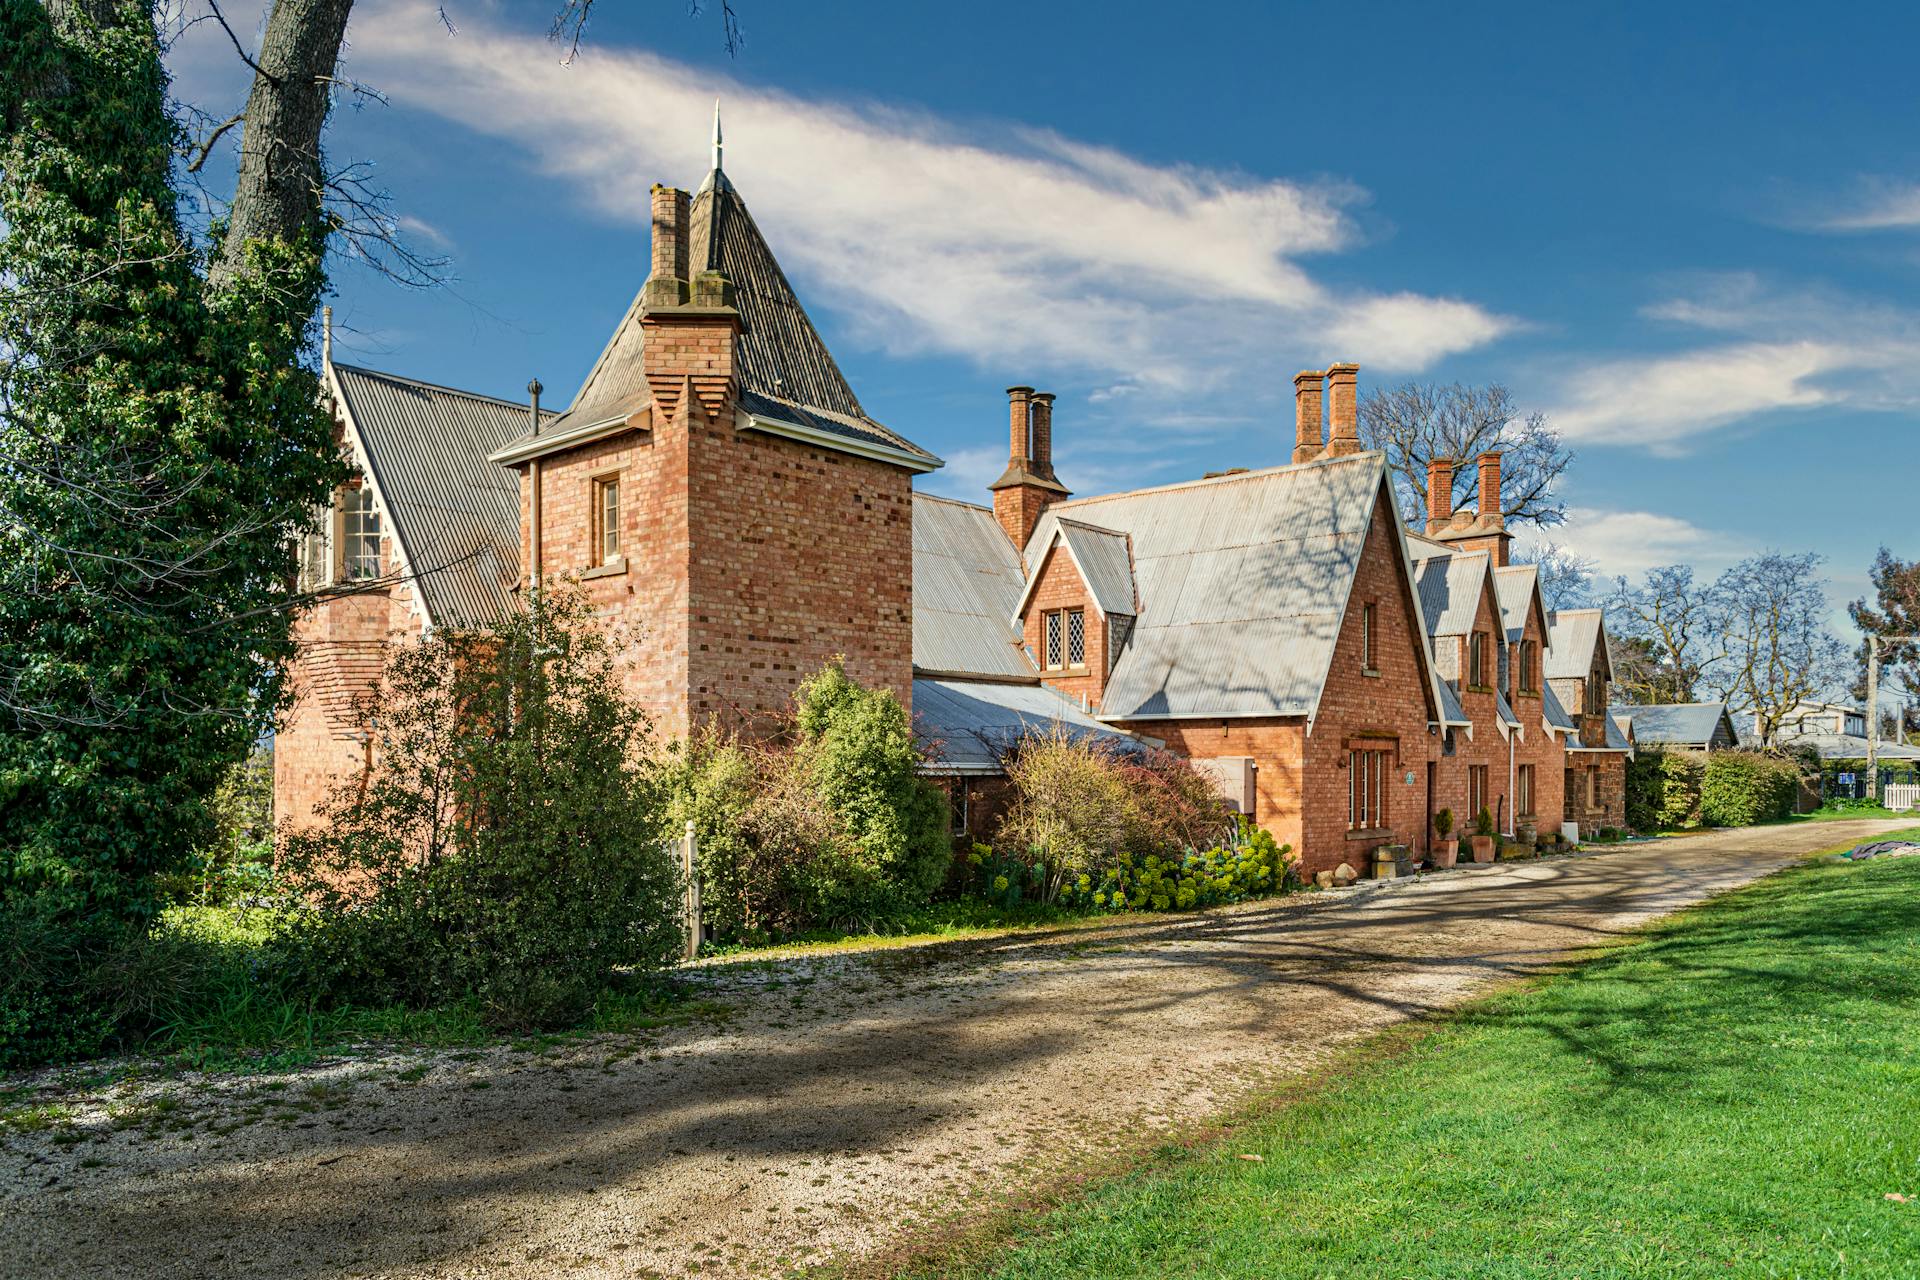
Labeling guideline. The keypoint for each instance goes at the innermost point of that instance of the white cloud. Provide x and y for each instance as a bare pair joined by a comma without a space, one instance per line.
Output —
1884,206
1025,252
1773,351
1628,543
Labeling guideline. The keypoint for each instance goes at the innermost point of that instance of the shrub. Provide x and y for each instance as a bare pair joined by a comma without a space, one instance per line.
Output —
503,852
1072,812
856,748
1443,823
1739,788
1483,822
1663,789
1250,864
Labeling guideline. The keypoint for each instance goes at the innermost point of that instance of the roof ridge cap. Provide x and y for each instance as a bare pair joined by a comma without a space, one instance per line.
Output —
439,386
955,502
1372,456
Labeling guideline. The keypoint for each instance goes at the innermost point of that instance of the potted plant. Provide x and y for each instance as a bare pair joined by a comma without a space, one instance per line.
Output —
1445,849
1483,835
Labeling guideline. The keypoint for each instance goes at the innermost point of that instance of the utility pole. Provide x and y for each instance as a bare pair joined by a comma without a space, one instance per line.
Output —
1873,708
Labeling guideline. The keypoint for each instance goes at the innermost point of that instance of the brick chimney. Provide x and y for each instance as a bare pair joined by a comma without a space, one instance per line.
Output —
1343,438
1027,487
667,281
1439,494
1483,530
1042,448
1308,428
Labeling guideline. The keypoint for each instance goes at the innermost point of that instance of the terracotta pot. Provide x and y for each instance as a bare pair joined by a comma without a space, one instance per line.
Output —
1483,848
1445,853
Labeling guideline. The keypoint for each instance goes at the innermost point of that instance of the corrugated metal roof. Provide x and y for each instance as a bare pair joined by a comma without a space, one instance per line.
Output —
1241,581
1504,710
966,585
968,726
1555,713
1514,585
1842,746
1677,724
1571,637
1105,563
456,515
1450,589
1451,712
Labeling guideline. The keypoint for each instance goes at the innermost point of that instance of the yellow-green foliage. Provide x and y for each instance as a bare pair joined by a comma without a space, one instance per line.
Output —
1253,865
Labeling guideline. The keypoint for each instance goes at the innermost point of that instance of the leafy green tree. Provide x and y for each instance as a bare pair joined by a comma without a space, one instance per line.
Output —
160,443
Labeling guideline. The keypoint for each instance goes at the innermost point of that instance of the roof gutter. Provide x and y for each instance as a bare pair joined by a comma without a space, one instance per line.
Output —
530,447
917,463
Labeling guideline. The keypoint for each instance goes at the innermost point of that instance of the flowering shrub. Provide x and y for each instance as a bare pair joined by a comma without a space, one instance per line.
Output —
1251,864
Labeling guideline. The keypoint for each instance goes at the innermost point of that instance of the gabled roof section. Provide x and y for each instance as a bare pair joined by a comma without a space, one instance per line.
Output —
1450,588
1572,635
966,586
456,515
1677,724
1554,713
1242,582
1104,560
1518,586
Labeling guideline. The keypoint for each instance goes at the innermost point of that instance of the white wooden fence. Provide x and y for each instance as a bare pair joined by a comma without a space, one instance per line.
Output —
690,895
1902,795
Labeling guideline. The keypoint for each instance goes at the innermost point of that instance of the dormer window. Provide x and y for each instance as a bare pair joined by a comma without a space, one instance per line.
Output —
359,535
1529,677
1367,614
1477,660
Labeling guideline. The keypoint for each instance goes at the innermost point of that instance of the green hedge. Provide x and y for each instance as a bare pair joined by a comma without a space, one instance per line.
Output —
1669,790
1744,787
1663,789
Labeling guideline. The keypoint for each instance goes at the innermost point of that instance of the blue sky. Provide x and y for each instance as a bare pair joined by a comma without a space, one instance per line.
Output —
1689,233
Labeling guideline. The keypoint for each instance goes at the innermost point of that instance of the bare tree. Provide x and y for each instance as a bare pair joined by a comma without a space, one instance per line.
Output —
1419,422
1675,629
1566,577
1780,651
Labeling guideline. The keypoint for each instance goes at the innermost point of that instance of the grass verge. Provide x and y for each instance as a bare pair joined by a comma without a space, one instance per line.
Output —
1732,1094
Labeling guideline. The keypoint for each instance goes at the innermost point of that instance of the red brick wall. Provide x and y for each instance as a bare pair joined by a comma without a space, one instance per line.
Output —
1612,809
319,742
1392,705
1537,746
1061,587
1277,747
1488,745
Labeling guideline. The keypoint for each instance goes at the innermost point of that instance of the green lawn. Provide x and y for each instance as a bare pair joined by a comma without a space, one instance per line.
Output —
1734,1095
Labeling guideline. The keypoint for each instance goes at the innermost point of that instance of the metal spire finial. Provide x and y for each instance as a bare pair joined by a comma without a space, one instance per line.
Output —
716,135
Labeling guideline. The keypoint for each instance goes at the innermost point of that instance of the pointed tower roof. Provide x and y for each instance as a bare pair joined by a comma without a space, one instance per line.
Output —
787,375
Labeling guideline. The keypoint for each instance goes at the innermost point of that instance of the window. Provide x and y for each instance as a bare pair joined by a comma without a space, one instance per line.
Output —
316,554
1477,660
957,801
606,519
1367,774
1523,791
1366,637
1596,695
1593,787
359,534
1478,792
1065,641
1529,677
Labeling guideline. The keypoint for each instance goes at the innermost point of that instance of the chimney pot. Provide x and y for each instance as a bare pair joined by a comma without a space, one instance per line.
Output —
1439,493
1043,434
1343,410
1490,512
1019,425
1308,427
667,284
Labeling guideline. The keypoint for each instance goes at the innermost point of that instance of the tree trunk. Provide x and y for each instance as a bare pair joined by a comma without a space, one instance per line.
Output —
277,193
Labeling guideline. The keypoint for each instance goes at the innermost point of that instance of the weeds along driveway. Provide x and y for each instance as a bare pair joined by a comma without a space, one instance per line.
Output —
841,1104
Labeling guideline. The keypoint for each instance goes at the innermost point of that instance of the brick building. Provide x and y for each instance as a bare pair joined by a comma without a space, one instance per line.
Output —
722,496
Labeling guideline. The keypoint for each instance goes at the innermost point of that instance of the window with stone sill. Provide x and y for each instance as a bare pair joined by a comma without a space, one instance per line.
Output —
1368,772
606,519
1064,642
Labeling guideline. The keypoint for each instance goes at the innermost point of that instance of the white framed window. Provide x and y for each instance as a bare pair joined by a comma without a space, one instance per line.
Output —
606,519
1055,641
316,552
359,534
1076,638
1367,774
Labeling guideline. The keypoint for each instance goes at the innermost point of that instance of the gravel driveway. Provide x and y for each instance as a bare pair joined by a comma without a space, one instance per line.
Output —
841,1103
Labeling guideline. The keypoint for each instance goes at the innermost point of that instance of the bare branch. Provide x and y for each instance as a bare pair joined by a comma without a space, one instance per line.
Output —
206,147
239,48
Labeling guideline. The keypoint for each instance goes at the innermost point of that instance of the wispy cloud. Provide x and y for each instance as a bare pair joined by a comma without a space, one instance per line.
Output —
1880,206
1628,543
1773,350
1020,250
